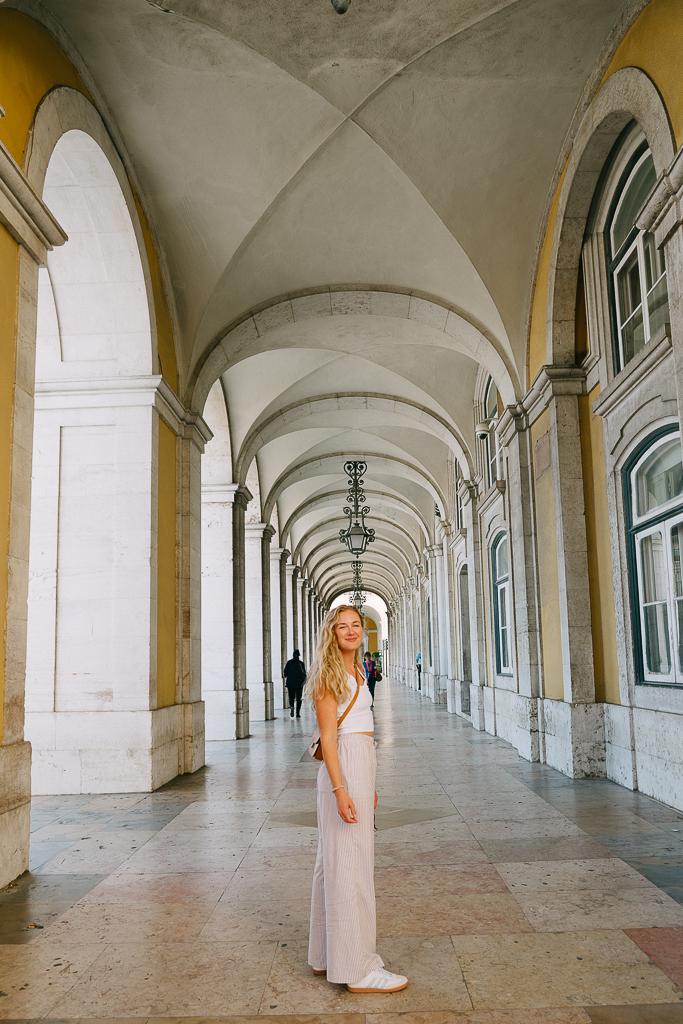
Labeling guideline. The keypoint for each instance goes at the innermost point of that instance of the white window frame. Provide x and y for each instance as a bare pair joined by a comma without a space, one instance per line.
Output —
501,601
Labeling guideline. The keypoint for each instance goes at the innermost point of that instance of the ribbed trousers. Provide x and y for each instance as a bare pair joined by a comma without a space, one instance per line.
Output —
343,920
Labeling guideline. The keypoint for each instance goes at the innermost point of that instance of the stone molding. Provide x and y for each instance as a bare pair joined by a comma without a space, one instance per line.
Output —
219,493
24,214
549,382
663,212
125,392
634,373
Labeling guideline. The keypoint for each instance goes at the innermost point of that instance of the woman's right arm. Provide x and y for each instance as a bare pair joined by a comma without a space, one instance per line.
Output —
326,712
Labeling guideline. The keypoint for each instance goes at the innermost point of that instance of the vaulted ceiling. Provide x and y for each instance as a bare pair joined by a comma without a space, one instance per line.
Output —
349,212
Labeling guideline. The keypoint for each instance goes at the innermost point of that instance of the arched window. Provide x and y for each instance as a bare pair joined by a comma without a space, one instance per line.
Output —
654,503
493,468
500,574
637,272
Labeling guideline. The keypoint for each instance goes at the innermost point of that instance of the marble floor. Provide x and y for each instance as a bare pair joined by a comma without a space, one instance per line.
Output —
508,893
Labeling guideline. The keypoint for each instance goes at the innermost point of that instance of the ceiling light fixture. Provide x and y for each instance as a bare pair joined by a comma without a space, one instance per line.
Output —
357,535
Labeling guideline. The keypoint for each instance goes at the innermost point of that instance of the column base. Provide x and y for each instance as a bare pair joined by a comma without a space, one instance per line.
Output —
477,706
114,751
241,714
574,738
15,810
516,720
269,701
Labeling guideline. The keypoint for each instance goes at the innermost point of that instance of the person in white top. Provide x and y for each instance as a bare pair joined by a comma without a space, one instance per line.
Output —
342,938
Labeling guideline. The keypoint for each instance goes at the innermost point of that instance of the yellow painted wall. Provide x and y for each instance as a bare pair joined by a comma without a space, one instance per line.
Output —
165,343
603,615
536,352
655,43
9,261
166,572
553,676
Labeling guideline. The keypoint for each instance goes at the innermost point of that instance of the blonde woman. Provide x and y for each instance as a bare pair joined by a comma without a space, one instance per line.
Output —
343,926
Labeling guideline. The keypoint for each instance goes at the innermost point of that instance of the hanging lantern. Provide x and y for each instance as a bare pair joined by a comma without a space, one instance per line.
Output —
357,535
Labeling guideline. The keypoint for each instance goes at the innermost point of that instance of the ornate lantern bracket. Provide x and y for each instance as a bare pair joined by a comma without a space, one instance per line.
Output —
357,535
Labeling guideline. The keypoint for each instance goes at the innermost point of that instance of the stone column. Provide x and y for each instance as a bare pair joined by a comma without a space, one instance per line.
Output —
253,586
303,621
451,626
437,589
286,569
218,688
468,493
515,435
239,617
276,619
300,619
268,696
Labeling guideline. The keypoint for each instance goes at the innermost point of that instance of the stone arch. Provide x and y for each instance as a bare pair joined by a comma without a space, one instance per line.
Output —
281,422
627,95
465,333
65,110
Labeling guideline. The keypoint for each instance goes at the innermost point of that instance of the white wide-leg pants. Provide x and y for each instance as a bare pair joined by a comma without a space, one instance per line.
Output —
343,921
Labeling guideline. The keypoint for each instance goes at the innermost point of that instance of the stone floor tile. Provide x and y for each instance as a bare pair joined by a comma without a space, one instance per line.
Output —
622,824
251,921
600,908
299,837
129,922
483,913
23,922
435,851
664,946
183,978
570,876
35,976
579,968
544,849
425,881
443,829
257,885
186,887
524,829
36,888
575,1015
635,846
100,853
432,965
172,859
653,1014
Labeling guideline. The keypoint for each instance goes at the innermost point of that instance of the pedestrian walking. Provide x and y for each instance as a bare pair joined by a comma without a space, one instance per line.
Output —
370,668
343,920
418,666
295,677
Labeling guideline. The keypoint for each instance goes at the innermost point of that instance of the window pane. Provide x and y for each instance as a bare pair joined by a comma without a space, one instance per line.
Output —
653,568
679,613
633,336
658,306
657,640
491,400
502,559
676,546
635,193
628,287
660,477
503,628
654,260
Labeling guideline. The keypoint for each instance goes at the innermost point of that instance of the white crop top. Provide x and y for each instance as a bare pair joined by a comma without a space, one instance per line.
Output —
359,718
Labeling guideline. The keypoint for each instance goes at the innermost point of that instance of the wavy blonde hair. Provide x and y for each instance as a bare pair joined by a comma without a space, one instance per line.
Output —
328,672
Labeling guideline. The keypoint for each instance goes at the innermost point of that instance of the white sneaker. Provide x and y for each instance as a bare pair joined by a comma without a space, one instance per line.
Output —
379,980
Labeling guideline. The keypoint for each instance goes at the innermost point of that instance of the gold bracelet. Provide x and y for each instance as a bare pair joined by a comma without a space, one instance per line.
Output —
336,788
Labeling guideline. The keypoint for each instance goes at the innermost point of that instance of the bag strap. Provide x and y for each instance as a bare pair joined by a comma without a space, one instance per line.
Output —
340,720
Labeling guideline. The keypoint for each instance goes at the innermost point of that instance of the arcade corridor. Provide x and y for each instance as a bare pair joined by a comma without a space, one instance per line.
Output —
508,892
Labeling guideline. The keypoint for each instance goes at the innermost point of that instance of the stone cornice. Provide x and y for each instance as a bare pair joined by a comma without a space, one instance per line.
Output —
24,214
550,382
218,493
650,356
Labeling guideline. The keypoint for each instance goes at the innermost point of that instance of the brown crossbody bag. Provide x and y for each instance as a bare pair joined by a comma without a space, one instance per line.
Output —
316,747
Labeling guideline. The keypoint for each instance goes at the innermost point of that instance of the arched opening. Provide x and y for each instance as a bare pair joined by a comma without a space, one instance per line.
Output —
464,629
92,609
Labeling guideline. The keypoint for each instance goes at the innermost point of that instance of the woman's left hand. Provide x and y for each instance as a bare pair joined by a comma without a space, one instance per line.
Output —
375,800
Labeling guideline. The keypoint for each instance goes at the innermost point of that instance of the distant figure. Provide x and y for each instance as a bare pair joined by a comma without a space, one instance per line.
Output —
295,676
370,674
418,666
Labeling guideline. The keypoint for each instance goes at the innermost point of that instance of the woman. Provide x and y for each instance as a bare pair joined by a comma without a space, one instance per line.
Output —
343,927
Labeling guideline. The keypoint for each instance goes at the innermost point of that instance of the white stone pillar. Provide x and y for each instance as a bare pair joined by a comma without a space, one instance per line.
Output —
276,624
253,534
291,574
239,617
267,624
218,686
299,620
468,493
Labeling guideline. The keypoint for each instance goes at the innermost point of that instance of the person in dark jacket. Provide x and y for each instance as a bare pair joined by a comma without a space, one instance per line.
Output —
370,674
295,676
